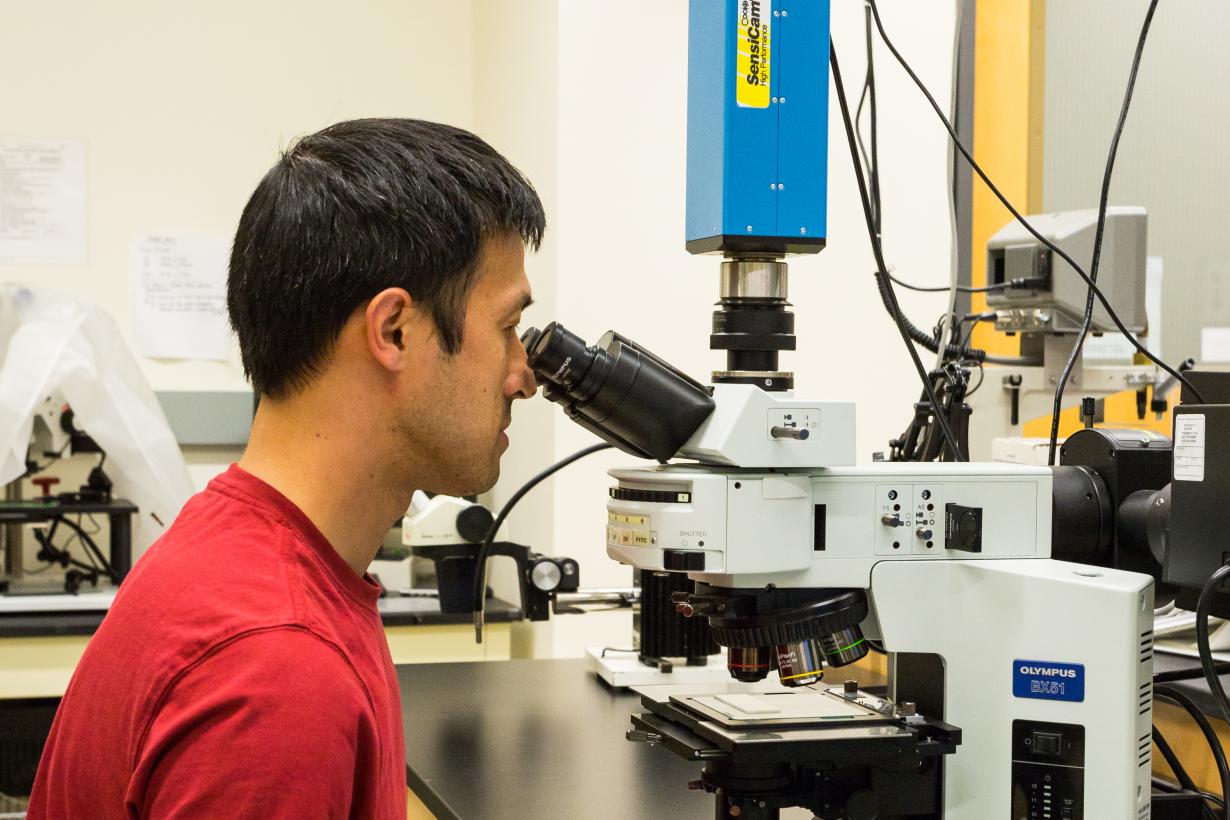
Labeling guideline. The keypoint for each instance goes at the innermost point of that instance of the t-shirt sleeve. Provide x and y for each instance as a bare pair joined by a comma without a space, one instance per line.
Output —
272,724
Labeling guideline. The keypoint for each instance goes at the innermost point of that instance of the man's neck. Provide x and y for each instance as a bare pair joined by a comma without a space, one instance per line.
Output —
331,472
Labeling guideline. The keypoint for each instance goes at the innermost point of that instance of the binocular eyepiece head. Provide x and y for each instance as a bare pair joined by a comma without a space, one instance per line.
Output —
618,390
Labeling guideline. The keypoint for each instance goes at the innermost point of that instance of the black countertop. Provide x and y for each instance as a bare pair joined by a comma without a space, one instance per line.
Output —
546,739
394,611
541,738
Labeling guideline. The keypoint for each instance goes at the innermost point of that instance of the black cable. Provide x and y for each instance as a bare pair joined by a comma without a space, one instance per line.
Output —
1163,785
873,170
982,376
919,336
1221,667
60,556
1055,249
1172,760
480,569
973,320
1184,779
886,285
92,547
1103,204
1203,605
948,288
871,166
1219,756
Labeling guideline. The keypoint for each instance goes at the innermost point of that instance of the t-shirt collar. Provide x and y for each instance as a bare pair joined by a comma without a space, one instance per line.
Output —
237,480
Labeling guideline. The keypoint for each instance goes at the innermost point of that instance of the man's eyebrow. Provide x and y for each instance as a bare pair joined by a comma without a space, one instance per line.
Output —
526,301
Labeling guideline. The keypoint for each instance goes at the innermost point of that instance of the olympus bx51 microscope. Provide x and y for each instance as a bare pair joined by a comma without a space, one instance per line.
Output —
1019,686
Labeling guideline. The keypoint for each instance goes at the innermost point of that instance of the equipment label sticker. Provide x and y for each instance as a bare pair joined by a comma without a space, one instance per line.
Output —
1189,447
752,53
1048,680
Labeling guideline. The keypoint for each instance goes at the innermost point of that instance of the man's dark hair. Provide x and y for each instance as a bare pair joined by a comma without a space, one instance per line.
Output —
356,208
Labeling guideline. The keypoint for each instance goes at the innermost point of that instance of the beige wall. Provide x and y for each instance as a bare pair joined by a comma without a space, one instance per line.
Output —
183,108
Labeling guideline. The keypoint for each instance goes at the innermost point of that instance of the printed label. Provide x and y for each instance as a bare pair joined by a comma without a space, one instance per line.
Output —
1189,447
1048,680
752,59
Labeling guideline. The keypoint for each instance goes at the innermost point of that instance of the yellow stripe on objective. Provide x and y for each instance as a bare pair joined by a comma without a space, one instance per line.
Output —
801,675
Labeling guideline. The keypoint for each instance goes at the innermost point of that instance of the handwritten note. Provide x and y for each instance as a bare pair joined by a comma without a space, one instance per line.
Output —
178,292
42,202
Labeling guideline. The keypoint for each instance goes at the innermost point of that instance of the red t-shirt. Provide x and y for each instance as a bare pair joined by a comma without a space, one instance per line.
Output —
241,672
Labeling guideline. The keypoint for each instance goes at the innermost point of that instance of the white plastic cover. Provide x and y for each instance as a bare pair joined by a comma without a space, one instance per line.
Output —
51,343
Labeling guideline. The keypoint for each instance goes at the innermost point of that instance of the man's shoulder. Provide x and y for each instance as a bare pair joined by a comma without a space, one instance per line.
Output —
219,552
272,661
216,574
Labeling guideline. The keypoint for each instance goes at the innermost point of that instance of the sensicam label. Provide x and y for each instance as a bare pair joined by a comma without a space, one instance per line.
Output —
752,59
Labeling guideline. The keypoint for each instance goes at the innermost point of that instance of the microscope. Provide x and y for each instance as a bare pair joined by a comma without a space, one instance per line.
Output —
1018,686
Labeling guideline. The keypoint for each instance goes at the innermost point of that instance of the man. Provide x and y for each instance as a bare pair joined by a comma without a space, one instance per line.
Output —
376,283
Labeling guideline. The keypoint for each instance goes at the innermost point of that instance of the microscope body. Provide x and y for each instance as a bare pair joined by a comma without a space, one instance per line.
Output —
1018,685
1045,666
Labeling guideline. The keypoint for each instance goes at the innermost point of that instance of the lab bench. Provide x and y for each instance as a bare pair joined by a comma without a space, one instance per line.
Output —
546,738
40,650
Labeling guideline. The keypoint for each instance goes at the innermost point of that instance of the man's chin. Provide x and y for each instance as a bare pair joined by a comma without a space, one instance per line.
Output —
470,485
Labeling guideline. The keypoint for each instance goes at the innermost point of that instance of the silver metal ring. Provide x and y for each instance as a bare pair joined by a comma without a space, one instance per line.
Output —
753,279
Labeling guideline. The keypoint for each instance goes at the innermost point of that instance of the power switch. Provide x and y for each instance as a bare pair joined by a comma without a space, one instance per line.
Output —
1046,744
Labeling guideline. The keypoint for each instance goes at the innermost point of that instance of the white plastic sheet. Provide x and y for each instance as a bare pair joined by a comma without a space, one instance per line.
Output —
53,343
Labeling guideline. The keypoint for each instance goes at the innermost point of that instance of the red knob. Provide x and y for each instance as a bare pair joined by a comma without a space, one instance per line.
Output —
46,482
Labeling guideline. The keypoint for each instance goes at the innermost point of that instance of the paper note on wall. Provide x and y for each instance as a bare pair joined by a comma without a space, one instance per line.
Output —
42,202
178,293
1214,345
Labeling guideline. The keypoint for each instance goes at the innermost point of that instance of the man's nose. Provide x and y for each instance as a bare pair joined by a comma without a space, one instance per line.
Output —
529,383
523,382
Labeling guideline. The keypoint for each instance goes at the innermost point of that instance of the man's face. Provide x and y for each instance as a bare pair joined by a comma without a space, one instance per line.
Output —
463,403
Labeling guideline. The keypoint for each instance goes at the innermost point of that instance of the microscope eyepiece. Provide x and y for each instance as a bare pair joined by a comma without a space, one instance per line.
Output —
618,390
558,356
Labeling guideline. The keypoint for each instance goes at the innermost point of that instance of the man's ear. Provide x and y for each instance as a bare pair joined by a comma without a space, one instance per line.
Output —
388,319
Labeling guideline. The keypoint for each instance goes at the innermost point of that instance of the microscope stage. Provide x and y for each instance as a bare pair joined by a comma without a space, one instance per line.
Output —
782,708
768,704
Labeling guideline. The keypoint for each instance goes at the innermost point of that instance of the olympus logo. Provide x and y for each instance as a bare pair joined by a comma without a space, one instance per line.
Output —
1048,671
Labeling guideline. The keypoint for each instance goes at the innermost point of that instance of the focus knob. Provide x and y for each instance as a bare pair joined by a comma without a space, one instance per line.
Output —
546,575
474,522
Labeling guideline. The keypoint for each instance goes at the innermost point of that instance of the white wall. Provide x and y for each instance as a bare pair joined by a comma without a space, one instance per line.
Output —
183,107
617,231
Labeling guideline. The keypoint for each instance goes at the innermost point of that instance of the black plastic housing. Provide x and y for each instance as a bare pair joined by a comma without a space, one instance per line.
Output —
1197,543
1101,469
618,390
